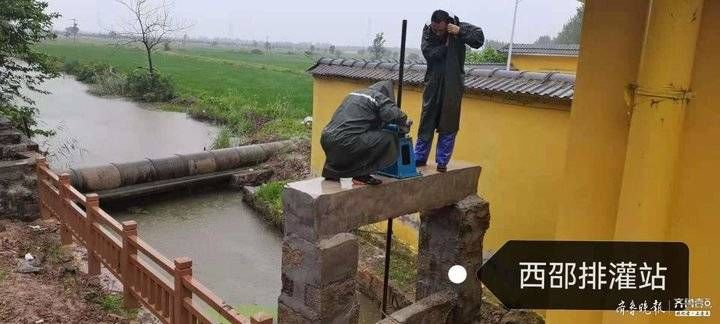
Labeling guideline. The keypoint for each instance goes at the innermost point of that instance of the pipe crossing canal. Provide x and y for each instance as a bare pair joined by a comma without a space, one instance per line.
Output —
238,255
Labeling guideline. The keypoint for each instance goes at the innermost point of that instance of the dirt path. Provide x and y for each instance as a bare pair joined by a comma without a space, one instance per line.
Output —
50,288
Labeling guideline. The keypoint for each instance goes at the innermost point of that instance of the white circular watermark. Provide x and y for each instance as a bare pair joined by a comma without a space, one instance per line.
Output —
457,274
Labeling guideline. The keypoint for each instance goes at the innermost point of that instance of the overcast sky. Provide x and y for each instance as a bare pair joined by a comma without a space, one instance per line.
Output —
337,22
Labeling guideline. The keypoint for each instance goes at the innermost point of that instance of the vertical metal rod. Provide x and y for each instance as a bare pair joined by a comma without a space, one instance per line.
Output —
388,237
402,63
512,37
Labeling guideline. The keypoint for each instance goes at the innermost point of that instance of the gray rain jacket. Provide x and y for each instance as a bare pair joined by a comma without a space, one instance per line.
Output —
445,78
354,142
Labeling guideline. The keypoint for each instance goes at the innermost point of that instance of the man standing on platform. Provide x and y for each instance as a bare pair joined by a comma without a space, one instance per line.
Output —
443,46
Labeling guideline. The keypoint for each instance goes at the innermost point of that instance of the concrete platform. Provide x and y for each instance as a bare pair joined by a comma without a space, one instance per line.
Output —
327,207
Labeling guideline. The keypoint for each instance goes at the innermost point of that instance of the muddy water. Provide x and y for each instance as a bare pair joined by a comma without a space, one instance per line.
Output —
234,252
94,130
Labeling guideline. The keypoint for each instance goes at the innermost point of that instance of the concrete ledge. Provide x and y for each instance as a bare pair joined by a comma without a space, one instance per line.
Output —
434,309
155,187
317,209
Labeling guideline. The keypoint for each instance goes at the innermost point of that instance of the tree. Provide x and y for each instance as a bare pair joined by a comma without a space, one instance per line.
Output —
494,44
267,46
331,49
312,48
486,55
152,23
543,40
23,24
570,33
377,49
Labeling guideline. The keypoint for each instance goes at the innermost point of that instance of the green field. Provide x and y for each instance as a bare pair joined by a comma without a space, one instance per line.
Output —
230,80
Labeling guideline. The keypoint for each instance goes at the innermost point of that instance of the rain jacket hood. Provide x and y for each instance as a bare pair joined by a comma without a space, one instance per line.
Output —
384,87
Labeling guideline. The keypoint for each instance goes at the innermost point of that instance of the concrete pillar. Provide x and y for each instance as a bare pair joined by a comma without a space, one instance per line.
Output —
660,100
453,235
599,120
318,280
612,36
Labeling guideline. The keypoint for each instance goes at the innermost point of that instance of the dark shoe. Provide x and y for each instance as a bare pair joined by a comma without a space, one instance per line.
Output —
442,168
332,179
420,164
366,180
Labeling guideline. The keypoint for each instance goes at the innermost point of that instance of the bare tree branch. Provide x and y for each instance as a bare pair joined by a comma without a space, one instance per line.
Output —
151,25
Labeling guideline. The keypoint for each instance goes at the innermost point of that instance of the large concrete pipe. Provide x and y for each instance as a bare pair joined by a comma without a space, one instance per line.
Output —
117,175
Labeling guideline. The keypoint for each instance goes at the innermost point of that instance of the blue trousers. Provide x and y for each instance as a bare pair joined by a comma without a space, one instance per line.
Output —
443,151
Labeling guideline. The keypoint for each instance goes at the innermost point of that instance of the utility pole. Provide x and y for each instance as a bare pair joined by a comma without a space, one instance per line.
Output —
512,36
74,29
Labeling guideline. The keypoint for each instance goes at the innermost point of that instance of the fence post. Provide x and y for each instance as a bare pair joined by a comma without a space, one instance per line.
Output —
183,267
40,175
261,318
129,229
92,203
65,235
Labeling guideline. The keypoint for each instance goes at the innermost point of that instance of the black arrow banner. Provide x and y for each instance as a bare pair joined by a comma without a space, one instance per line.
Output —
587,275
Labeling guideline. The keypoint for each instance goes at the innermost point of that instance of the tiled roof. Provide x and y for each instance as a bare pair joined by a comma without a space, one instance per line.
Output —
478,78
549,49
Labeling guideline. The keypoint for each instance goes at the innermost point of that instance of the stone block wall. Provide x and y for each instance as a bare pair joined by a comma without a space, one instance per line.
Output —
18,184
453,235
320,255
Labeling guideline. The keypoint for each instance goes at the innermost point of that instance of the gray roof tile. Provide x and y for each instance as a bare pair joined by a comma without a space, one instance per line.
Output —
548,49
487,79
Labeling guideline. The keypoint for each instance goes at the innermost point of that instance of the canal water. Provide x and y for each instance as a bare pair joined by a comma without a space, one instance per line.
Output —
93,130
234,252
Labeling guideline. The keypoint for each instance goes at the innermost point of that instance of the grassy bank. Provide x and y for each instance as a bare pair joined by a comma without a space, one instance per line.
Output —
257,96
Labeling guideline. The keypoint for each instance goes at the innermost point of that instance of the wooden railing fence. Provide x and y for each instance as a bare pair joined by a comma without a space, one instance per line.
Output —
166,288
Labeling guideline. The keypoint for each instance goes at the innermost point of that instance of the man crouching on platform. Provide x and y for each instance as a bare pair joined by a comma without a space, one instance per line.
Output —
354,141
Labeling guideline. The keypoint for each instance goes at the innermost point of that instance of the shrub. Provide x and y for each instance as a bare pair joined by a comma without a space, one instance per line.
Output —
257,51
110,82
144,86
71,66
88,72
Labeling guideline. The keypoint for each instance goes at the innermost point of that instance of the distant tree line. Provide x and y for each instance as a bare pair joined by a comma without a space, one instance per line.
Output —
570,33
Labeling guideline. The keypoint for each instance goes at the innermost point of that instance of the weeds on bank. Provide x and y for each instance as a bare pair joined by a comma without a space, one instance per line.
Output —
112,303
55,254
105,80
403,262
270,195
222,139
